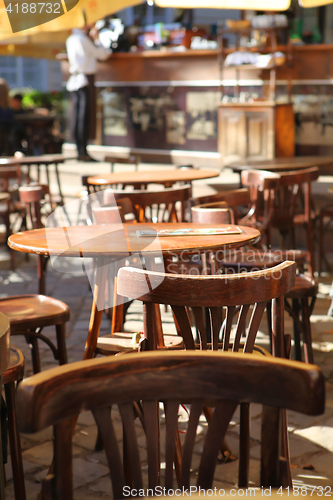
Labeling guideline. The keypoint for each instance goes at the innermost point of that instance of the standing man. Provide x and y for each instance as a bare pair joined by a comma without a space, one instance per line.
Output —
83,55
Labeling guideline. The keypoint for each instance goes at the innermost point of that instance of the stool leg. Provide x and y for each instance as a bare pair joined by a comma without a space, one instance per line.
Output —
33,341
244,446
61,342
320,247
41,274
297,338
15,443
308,352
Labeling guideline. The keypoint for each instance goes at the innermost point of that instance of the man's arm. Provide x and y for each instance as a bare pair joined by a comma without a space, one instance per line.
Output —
99,53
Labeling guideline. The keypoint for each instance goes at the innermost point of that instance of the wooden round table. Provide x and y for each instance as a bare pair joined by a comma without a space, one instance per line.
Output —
324,163
109,243
141,178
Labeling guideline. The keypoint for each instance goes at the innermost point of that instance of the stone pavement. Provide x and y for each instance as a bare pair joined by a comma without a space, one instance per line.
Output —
311,438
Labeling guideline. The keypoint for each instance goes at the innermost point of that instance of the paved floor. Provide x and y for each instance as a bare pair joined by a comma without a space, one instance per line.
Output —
311,439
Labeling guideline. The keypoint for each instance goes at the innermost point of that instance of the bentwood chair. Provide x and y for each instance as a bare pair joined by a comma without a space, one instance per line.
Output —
291,205
32,197
118,340
164,205
223,379
30,314
235,305
299,301
11,210
237,200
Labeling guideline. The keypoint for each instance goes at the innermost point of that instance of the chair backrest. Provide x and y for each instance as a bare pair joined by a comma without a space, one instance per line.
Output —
32,196
235,198
55,396
294,196
235,293
165,205
262,185
109,214
212,213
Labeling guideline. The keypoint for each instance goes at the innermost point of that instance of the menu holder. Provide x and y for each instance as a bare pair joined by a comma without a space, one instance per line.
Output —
190,231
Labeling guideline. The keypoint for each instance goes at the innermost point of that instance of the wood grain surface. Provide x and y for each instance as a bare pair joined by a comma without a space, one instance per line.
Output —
153,176
120,241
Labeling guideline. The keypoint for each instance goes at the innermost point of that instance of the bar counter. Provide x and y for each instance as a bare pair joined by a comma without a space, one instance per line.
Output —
161,103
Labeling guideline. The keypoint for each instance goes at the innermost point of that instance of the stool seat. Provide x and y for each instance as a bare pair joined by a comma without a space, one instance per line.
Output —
29,314
126,342
31,310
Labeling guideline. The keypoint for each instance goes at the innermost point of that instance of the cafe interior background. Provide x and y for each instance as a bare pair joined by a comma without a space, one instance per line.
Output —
163,87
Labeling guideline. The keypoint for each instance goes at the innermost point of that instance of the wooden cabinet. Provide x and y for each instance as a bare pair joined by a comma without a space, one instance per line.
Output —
255,131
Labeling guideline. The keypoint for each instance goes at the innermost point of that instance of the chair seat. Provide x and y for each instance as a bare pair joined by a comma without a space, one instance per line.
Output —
123,341
304,287
33,311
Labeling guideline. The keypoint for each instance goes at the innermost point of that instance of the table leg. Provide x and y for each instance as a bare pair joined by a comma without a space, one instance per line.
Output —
97,307
60,191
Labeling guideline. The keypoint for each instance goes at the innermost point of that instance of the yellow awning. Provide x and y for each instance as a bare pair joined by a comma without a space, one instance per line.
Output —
273,5
65,15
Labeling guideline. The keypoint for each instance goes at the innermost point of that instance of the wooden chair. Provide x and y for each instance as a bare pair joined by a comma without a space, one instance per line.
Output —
239,291
223,300
165,205
262,186
119,341
225,379
29,314
291,205
252,259
112,214
212,213
237,200
32,197
12,376
11,210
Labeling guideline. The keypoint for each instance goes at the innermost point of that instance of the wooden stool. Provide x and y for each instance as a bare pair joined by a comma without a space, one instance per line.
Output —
10,378
29,314
32,197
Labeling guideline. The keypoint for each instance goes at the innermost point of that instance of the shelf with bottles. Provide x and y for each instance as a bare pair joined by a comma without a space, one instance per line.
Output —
254,37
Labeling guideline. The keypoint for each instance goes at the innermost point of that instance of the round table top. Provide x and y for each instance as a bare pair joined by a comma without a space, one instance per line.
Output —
324,163
144,177
118,240
35,160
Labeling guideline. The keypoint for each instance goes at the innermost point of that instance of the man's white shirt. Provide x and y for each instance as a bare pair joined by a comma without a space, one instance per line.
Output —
83,55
